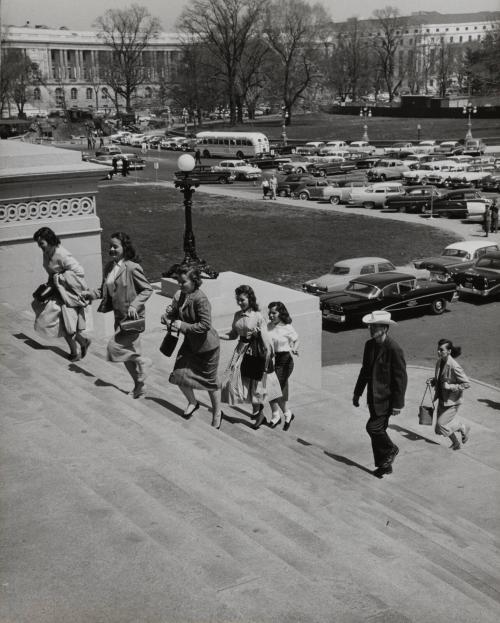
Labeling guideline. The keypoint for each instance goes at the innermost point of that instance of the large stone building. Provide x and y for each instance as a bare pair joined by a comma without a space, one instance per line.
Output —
70,64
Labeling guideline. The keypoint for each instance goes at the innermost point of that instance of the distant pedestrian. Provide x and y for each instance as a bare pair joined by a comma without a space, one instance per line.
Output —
384,372
449,383
265,188
114,162
494,217
487,220
273,185
125,167
197,157
100,134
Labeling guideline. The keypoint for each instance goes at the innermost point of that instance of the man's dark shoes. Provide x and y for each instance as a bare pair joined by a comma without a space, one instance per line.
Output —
383,470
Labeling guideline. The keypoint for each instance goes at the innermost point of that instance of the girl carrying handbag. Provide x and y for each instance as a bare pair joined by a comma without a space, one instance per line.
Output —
426,413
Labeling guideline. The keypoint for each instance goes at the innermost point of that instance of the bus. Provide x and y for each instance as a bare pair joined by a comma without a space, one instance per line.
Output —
232,144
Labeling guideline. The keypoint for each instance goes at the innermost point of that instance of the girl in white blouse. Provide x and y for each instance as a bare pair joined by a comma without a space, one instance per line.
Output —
285,341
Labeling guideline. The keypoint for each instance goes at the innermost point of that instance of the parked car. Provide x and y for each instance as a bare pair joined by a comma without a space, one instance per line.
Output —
415,200
361,147
153,140
267,161
454,257
442,177
456,204
474,147
387,169
136,140
108,150
107,161
392,291
491,183
470,177
427,146
290,183
342,191
398,147
319,190
421,174
482,279
240,168
366,163
338,145
207,175
315,145
134,161
375,196
449,148
297,166
323,169
344,271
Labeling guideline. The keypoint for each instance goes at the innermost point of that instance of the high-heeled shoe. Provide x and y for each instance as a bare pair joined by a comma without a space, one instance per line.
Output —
190,410
85,346
217,420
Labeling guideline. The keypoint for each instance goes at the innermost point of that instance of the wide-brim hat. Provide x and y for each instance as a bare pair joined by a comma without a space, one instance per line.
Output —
378,317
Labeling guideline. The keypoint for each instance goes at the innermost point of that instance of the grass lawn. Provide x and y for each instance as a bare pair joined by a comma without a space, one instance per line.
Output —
321,126
282,245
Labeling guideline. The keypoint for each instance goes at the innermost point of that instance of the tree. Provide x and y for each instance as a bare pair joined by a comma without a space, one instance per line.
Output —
225,27
292,29
482,67
19,73
386,45
446,62
127,32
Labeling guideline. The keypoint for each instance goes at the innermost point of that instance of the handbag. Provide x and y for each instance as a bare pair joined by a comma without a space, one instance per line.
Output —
133,325
169,343
254,362
425,413
43,292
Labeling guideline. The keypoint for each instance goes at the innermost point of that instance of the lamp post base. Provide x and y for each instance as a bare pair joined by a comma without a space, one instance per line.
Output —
192,262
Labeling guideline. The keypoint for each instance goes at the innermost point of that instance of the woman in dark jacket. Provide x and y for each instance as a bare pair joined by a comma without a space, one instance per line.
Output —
198,357
124,291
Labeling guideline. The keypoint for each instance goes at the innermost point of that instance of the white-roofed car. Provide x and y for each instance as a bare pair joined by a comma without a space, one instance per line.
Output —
343,271
374,196
455,257
241,169
361,147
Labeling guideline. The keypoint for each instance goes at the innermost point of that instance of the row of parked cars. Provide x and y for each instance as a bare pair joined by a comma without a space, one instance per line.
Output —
153,141
357,286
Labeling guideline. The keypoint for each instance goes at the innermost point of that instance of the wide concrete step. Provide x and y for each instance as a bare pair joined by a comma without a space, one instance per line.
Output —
154,518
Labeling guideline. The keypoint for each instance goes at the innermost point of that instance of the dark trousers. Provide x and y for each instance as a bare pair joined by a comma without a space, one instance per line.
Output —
382,445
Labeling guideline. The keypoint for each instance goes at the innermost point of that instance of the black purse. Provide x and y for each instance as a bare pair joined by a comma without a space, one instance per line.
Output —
133,326
253,364
43,292
169,343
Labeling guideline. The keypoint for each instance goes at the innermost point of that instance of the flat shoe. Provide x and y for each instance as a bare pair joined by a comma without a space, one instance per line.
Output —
274,424
190,410
75,357
287,423
382,471
465,434
138,391
455,446
260,420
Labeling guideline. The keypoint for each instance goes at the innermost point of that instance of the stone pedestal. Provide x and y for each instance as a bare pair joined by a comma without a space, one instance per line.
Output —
303,308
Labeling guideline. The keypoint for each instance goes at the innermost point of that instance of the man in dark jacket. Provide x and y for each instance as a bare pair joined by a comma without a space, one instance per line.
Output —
384,372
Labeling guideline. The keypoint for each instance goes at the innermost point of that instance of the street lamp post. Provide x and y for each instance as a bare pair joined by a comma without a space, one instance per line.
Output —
185,117
186,185
365,113
419,131
469,110
283,127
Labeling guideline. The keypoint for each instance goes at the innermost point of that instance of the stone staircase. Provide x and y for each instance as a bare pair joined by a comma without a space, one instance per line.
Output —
118,510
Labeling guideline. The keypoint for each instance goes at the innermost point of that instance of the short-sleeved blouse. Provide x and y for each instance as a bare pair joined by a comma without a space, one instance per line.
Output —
245,321
282,336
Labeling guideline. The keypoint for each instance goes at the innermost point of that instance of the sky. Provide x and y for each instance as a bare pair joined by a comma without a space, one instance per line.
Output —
79,14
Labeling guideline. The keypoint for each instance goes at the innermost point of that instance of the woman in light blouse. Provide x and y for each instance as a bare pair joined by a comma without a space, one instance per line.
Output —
236,388
285,341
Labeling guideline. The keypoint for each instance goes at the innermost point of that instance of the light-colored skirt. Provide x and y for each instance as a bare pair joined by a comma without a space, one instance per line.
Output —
124,345
53,319
237,389
196,370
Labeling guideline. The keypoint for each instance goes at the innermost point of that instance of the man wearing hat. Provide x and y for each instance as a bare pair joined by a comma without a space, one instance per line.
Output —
384,372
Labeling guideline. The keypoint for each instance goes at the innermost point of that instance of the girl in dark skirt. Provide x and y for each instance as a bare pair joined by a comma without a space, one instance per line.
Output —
198,358
285,341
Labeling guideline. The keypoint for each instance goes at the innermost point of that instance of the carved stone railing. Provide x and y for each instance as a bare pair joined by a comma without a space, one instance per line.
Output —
38,209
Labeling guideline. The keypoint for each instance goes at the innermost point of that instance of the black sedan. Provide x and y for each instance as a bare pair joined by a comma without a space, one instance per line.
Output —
393,291
268,161
491,183
415,200
482,279
455,203
206,175
323,169
290,183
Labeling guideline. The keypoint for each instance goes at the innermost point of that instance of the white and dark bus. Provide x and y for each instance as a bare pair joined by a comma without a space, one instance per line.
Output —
232,144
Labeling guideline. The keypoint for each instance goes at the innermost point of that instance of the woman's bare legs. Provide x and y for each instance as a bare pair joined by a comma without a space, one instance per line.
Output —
216,410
